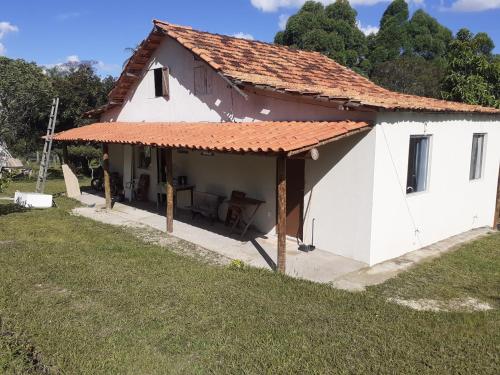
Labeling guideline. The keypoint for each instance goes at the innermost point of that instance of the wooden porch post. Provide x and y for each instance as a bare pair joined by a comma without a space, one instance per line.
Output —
170,190
105,167
281,211
496,219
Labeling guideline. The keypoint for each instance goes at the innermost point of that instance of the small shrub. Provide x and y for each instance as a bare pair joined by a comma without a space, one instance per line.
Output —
83,158
5,180
237,264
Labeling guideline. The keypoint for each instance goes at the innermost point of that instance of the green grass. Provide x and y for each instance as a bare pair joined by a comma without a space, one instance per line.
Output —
93,299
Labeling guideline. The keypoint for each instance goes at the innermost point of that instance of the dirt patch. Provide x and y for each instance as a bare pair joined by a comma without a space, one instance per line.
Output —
156,237
51,289
24,351
468,304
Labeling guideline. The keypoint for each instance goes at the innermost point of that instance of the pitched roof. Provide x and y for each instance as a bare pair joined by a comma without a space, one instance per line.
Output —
280,68
266,136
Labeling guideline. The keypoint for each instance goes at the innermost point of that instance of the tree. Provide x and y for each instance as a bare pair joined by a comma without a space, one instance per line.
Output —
427,37
79,89
411,75
331,31
392,40
26,91
409,55
25,98
473,73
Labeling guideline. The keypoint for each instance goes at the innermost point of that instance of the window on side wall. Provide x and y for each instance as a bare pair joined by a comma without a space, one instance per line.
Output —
161,76
418,164
477,155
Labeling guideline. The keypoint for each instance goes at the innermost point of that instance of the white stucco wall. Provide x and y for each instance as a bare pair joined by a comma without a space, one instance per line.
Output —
452,203
222,173
338,196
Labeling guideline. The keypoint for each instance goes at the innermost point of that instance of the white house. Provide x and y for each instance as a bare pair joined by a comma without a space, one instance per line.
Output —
395,172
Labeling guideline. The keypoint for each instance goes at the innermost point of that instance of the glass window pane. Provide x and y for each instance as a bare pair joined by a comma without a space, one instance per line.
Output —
418,164
476,160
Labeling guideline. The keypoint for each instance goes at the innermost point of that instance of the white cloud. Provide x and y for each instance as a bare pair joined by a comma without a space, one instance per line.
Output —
274,5
6,28
283,19
368,29
73,59
473,5
244,36
108,68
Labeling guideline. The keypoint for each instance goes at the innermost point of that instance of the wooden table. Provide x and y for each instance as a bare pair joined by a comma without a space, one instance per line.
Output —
244,203
177,188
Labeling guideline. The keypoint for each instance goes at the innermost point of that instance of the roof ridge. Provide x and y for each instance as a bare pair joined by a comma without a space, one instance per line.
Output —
156,20
250,41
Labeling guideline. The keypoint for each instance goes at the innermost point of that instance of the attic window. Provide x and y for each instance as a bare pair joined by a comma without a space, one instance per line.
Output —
161,76
202,81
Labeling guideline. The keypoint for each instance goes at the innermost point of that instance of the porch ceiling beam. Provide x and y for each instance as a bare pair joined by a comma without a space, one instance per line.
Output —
281,211
105,167
312,154
170,190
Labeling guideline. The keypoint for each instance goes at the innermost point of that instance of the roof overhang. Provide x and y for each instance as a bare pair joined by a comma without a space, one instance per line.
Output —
266,137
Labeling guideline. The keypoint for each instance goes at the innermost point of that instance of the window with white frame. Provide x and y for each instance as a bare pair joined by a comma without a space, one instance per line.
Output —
418,164
477,154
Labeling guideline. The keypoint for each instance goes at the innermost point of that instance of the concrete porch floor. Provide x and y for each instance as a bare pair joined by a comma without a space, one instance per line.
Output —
260,251
255,249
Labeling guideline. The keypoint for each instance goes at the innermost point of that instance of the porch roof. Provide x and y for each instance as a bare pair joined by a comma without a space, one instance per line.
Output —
258,137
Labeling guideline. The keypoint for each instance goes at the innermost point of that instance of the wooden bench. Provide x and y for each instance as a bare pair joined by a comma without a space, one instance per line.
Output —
206,204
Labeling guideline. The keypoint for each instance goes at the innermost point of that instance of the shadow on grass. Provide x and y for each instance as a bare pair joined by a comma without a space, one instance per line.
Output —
20,355
11,208
264,255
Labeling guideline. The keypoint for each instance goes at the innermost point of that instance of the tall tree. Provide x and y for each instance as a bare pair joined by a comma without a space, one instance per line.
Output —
427,37
331,31
409,55
79,89
25,97
410,75
473,73
392,40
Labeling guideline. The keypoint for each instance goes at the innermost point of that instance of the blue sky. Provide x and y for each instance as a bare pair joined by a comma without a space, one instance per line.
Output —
54,31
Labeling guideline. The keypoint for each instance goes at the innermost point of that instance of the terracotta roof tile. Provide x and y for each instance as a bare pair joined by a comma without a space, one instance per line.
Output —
308,73
227,136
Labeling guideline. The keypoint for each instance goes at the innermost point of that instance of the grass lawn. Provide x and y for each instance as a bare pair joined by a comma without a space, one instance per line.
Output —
81,297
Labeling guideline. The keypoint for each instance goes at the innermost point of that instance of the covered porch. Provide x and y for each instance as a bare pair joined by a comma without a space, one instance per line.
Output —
278,143
256,250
